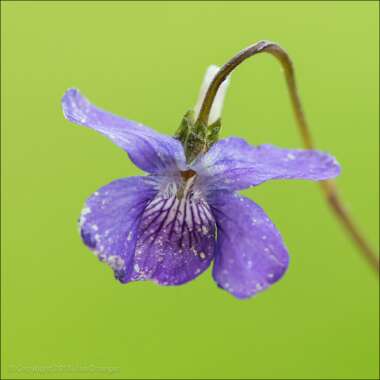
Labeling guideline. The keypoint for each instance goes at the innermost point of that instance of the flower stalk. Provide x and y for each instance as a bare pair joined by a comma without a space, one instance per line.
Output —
328,187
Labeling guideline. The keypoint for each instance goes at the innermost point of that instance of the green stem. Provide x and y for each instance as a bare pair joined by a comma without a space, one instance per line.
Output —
328,187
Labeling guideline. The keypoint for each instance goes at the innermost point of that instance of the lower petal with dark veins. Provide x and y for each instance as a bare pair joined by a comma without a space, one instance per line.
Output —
176,240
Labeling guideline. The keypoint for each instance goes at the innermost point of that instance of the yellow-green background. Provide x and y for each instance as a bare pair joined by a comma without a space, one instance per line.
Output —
64,316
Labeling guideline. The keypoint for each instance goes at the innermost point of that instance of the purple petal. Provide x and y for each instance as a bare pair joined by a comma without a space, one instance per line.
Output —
176,239
149,150
250,255
110,220
233,164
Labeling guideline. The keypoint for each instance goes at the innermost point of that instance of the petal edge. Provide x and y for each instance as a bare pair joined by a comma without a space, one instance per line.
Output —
151,151
232,164
250,254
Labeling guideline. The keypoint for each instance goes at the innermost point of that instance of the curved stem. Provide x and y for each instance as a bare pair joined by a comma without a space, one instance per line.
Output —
328,187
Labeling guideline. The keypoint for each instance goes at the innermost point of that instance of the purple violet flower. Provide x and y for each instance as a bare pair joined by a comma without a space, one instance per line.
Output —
169,225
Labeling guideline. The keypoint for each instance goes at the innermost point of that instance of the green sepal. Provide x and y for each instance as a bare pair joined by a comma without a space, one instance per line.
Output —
213,132
184,129
195,136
